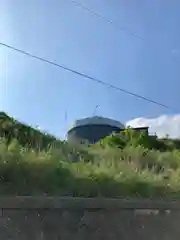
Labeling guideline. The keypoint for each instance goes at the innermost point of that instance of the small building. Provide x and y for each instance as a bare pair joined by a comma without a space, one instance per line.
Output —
93,129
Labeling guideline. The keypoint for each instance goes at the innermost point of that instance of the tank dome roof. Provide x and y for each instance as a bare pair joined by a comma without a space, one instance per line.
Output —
97,120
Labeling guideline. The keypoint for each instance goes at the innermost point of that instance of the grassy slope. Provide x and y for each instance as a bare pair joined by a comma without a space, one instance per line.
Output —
108,172
98,170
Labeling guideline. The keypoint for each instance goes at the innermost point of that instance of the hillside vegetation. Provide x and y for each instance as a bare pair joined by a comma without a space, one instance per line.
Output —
27,136
128,164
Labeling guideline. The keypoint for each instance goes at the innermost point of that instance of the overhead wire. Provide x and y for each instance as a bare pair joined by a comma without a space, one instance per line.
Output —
109,21
83,75
120,28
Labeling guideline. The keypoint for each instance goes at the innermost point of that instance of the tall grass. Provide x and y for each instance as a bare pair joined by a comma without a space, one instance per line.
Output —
89,171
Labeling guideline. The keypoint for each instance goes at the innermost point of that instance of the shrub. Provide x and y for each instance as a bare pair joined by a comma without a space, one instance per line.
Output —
130,137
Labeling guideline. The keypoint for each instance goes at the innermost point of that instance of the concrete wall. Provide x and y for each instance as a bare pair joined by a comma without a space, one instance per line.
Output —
42,218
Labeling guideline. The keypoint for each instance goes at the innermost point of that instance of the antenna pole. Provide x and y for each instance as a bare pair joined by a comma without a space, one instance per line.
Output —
65,118
95,110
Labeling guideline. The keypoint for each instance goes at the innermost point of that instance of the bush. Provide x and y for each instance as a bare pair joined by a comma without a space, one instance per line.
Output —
130,137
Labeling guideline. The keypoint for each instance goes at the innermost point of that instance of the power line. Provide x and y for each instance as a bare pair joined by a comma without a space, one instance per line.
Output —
120,28
109,21
83,75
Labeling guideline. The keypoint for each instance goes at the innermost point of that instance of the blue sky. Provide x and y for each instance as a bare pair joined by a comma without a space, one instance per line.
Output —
40,94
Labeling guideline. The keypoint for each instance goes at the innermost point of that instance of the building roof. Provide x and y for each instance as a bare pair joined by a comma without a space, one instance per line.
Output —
97,120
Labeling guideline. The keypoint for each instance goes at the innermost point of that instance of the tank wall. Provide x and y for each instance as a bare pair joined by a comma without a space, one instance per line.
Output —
91,133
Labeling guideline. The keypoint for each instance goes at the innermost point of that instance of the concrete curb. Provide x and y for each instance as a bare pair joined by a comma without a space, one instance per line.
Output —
84,203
